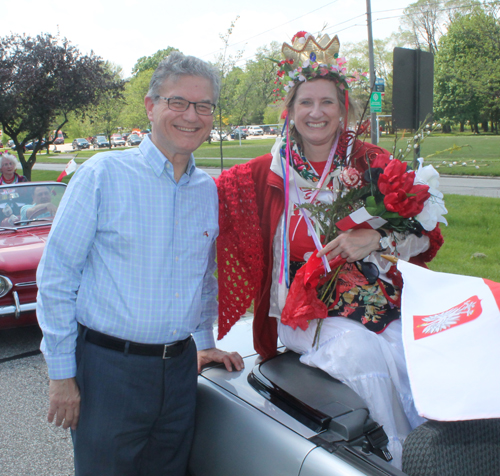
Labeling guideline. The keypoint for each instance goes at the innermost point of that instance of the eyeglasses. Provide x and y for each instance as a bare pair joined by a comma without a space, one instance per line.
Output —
181,105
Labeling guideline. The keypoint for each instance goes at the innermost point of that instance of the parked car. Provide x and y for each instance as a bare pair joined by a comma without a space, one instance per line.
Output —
134,139
31,145
217,136
101,141
59,138
255,131
271,130
21,246
10,143
80,144
117,140
238,132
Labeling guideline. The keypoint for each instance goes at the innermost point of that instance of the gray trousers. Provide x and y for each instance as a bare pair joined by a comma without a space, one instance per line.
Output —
136,414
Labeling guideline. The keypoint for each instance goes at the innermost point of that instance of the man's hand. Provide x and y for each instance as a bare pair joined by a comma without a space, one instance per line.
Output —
229,359
64,398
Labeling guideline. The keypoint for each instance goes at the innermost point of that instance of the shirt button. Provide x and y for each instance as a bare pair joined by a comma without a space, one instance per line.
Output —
176,295
176,258
175,332
176,222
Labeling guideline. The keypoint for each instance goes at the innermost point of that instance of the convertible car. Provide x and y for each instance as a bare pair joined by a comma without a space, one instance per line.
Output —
26,214
281,417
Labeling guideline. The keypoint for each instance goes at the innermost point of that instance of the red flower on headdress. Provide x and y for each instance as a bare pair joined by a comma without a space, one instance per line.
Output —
300,34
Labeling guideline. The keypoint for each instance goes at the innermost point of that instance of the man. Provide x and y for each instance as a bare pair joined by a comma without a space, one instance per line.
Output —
126,278
42,206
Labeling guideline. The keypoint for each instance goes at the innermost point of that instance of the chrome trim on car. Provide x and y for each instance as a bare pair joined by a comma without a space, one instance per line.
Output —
17,308
9,285
22,285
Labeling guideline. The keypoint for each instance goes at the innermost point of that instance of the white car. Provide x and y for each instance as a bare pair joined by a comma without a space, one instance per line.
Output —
216,136
117,140
255,131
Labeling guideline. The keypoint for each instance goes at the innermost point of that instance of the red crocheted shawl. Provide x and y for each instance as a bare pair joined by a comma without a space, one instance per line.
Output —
239,246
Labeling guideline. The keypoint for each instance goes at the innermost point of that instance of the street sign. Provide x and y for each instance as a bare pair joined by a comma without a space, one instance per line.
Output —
376,102
379,85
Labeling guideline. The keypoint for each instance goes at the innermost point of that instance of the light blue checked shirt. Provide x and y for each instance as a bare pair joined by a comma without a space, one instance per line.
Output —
131,254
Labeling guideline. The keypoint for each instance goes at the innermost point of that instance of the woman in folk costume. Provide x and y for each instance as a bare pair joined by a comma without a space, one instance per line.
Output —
266,235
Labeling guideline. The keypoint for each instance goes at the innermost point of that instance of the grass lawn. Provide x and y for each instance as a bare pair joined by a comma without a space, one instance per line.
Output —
473,228
483,149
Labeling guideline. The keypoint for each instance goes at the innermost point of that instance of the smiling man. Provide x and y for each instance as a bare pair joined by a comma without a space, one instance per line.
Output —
127,294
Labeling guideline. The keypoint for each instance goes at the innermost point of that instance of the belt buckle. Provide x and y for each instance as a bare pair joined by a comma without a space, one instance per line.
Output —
165,350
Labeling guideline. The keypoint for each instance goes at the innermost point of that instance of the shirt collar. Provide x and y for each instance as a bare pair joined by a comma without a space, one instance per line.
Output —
157,160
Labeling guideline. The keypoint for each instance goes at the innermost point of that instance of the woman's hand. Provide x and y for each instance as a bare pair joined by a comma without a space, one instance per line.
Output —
353,245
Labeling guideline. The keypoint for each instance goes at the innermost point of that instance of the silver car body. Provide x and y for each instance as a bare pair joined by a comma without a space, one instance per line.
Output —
241,431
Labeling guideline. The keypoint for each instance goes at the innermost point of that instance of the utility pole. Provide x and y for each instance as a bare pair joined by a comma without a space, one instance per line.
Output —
373,115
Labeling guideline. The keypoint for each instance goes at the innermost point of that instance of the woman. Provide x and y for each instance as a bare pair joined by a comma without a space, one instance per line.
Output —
265,237
8,166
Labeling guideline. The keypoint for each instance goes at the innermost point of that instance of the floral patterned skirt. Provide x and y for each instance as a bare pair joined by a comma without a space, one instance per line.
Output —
373,305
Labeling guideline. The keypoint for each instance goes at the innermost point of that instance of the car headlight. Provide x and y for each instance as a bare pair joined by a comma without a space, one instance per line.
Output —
5,286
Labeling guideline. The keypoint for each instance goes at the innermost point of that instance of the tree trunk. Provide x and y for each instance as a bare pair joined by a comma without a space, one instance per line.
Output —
484,125
476,128
446,128
462,127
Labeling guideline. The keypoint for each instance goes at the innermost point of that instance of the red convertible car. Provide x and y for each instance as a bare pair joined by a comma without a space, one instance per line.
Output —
26,214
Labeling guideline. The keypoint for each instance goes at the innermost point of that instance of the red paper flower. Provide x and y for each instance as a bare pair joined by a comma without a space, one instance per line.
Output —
401,196
302,303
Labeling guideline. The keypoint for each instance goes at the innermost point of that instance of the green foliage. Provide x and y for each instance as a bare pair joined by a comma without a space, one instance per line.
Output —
467,70
43,79
146,63
134,113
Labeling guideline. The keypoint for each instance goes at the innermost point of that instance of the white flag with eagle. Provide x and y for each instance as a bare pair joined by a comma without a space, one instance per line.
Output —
451,336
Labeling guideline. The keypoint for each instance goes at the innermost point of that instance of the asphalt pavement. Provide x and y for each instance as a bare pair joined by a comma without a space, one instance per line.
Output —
29,445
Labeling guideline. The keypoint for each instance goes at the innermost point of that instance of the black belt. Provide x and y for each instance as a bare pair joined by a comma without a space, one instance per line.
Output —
166,351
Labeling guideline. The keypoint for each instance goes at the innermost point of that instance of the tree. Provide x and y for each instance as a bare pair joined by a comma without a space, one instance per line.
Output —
151,62
255,90
134,113
106,117
43,78
425,21
467,72
225,64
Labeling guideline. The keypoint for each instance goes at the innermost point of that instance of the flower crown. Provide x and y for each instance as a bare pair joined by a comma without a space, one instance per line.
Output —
308,58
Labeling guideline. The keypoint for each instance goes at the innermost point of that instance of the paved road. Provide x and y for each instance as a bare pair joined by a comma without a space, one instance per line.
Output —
29,446
449,184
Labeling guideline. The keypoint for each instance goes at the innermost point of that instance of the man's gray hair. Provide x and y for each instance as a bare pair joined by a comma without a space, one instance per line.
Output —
176,65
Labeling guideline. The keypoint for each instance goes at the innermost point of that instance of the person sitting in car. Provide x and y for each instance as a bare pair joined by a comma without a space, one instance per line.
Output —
10,217
41,207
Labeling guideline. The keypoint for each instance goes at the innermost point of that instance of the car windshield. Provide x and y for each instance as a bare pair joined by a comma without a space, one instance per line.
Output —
134,136
29,204
81,140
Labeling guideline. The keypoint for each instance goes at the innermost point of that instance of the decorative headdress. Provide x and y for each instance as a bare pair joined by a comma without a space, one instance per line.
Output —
308,58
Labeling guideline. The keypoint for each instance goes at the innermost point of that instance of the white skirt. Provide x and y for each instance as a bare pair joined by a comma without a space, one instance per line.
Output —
373,365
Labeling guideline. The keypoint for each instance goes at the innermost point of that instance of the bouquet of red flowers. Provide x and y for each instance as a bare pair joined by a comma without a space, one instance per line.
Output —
390,195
